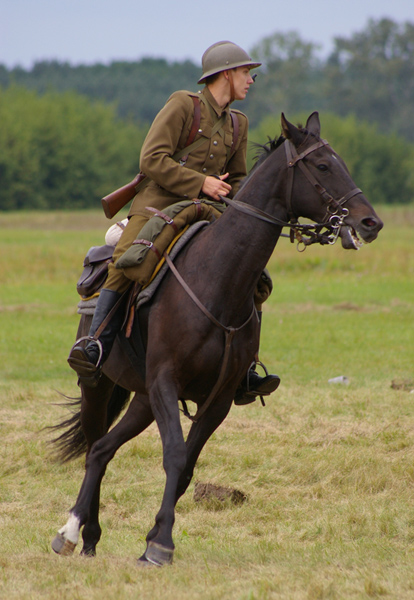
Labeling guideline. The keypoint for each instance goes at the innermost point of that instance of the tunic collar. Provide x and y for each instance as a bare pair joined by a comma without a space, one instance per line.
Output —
211,100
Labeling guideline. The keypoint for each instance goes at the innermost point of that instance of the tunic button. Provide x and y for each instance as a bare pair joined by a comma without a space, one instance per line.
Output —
204,170
215,142
211,155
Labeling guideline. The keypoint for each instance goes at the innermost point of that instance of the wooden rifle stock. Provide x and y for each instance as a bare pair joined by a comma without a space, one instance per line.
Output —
113,203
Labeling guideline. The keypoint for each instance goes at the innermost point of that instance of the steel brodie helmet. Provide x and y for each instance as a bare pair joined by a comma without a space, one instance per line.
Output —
222,56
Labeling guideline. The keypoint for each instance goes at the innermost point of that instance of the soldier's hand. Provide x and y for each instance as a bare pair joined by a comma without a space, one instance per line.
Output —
214,187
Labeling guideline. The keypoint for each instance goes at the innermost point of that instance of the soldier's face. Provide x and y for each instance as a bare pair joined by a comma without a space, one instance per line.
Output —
242,80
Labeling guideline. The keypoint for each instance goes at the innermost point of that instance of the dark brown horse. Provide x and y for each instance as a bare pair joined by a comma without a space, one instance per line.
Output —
299,177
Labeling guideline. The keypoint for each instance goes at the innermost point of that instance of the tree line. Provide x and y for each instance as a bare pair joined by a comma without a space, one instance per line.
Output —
370,75
70,135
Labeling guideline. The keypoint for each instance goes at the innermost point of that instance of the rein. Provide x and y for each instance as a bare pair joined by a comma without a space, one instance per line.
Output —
229,334
335,214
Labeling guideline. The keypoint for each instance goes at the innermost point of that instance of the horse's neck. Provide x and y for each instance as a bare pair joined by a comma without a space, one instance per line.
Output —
236,249
253,240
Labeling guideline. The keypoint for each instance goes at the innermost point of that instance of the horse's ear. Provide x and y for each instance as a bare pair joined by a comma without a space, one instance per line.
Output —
313,124
291,132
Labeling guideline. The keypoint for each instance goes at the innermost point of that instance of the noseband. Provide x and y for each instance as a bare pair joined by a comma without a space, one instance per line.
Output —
303,233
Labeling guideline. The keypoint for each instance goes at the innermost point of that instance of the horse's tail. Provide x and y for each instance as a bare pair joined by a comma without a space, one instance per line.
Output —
72,442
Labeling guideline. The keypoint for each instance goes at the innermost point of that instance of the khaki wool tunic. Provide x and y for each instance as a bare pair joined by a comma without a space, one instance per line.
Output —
169,132
172,182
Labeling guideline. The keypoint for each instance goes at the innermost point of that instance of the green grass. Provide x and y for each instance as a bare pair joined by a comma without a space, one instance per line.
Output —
328,469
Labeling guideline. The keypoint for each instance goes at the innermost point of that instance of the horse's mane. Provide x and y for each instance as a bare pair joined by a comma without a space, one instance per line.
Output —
263,151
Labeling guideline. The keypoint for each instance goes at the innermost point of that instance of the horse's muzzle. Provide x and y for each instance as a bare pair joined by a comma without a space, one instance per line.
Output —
356,232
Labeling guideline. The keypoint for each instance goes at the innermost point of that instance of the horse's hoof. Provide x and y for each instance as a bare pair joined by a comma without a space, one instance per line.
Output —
88,552
63,546
143,563
158,555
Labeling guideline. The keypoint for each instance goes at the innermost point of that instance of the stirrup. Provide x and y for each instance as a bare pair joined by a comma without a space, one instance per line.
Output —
88,372
89,338
269,384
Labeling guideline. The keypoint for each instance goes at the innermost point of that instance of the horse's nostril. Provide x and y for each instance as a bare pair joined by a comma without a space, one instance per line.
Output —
368,222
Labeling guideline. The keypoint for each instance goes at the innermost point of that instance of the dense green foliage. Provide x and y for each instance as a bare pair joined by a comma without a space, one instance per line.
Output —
138,89
370,75
71,134
62,150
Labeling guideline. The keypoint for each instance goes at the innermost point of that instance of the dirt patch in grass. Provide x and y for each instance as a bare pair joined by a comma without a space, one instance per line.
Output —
210,491
406,385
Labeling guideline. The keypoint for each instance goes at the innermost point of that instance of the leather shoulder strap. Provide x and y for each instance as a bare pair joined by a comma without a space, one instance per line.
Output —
196,120
195,126
190,140
236,128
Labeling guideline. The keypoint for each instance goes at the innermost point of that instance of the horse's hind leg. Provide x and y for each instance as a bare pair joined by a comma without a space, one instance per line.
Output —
94,418
136,419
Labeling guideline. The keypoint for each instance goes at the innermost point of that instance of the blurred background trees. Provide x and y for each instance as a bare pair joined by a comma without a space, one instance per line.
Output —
62,150
71,134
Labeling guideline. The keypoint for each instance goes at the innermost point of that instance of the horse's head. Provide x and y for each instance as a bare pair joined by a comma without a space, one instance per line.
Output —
319,187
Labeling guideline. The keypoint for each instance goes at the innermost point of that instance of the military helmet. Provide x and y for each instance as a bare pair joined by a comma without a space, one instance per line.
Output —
222,56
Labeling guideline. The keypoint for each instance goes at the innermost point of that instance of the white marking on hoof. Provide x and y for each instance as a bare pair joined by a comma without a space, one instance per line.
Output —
67,537
71,530
62,546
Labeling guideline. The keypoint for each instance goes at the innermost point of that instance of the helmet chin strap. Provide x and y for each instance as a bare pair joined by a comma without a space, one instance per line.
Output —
232,93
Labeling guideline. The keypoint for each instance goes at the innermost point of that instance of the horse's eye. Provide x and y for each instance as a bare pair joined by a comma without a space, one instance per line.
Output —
322,167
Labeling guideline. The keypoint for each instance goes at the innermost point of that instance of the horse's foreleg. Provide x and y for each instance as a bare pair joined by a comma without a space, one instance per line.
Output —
199,433
197,437
164,402
137,418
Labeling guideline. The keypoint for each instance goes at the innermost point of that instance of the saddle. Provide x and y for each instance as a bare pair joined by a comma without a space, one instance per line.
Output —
141,262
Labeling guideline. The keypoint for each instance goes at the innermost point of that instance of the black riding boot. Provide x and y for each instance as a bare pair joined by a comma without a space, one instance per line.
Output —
253,385
88,361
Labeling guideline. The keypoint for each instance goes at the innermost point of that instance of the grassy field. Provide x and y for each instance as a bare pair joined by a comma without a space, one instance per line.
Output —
328,469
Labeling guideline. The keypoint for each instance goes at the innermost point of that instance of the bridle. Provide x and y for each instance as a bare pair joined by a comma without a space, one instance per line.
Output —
305,234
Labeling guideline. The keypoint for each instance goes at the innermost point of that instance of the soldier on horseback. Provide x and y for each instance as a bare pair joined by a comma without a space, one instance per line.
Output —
215,168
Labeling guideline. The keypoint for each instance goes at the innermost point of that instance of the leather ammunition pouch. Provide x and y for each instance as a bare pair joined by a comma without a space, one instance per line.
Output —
95,270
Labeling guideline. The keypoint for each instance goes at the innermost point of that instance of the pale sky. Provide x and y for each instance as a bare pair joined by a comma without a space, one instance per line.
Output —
91,31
